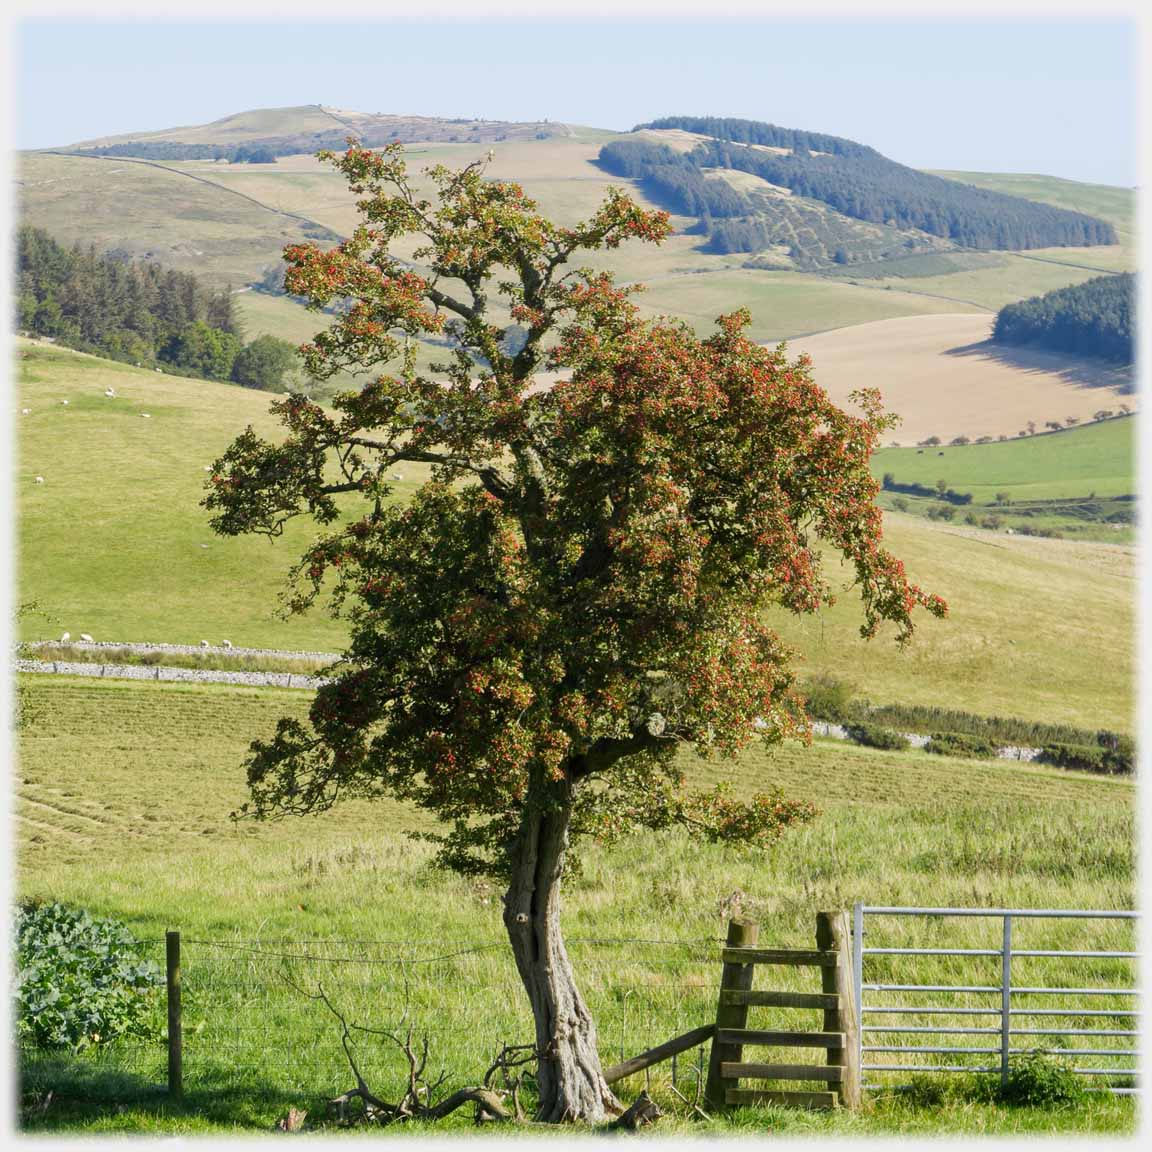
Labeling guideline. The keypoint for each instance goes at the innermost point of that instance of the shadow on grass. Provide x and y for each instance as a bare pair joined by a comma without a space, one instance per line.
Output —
62,1092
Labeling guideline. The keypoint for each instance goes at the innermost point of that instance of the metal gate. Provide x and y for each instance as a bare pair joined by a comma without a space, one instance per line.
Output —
1001,1009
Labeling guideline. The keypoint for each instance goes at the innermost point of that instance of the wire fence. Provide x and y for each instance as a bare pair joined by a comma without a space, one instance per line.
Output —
255,1025
253,1016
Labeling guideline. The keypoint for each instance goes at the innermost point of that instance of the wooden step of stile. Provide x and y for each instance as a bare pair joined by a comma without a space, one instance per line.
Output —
792,1099
780,1039
832,1073
803,957
828,1001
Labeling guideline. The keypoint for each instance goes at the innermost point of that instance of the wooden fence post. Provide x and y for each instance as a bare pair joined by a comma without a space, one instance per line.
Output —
175,1022
738,978
832,934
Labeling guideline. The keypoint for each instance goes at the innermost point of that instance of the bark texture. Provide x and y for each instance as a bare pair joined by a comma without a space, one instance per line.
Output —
571,1081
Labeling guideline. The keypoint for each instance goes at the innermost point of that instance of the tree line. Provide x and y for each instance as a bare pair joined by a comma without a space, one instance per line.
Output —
138,312
171,150
854,180
1089,319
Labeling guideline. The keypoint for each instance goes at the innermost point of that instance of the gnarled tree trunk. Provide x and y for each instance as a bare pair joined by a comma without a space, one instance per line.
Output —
572,1085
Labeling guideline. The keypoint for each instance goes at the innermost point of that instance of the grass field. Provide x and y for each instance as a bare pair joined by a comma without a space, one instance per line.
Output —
1098,458
113,543
123,798
139,569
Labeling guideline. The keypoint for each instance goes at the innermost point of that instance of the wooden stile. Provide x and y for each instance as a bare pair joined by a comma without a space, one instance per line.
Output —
781,1039
781,999
727,1066
742,1069
793,956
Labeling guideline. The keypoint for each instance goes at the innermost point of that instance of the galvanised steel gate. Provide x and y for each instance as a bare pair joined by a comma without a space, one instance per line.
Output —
997,1010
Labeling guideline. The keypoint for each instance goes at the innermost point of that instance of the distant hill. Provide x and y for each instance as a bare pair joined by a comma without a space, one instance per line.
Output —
1089,319
905,209
263,134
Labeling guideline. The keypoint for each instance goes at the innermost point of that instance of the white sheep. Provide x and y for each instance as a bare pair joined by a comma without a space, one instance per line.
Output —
204,644
86,638
39,479
397,476
227,643
65,403
25,411
146,415
66,637
110,393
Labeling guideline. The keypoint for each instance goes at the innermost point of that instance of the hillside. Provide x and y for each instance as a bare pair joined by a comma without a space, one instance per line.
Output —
229,223
851,179
145,566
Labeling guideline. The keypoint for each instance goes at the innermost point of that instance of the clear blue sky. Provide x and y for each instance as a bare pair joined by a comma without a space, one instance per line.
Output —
1028,95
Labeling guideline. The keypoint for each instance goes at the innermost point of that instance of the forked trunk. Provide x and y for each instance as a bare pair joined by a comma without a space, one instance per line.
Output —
571,1082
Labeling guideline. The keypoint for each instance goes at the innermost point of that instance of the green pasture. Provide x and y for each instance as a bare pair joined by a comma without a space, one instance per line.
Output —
1091,458
785,305
114,543
123,800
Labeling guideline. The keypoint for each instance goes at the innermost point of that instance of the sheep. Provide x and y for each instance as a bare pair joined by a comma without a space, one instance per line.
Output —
227,643
39,479
25,411
110,393
65,403
86,638
66,637
397,476
146,415
205,644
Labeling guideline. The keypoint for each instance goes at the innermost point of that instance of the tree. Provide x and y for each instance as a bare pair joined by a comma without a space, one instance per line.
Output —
202,351
262,363
577,591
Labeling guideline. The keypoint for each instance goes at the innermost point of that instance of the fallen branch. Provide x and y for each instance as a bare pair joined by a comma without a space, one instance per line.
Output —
643,1110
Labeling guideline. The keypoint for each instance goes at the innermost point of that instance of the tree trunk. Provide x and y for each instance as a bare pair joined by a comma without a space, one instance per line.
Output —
571,1082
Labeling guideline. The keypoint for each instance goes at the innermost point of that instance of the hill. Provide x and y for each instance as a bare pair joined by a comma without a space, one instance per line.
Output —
273,132
852,179
144,565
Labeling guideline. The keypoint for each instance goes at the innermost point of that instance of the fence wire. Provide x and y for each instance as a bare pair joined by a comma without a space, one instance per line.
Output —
253,1018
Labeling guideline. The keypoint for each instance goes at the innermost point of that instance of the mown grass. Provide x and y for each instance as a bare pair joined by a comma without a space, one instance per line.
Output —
124,792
